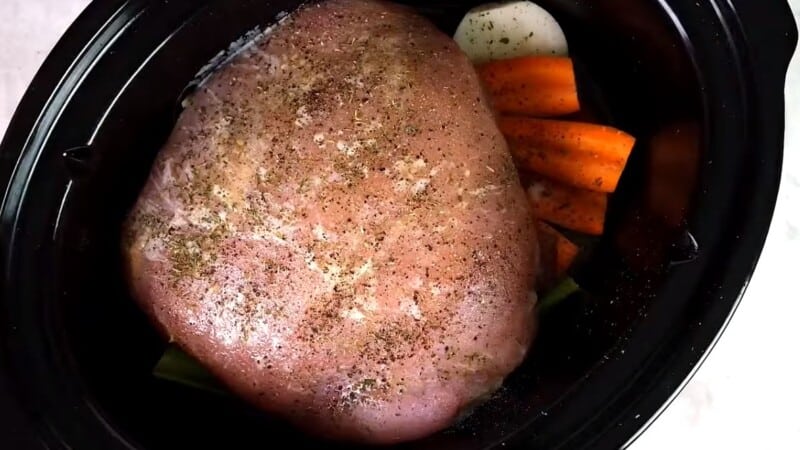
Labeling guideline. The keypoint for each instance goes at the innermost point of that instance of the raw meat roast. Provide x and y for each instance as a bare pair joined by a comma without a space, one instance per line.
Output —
335,228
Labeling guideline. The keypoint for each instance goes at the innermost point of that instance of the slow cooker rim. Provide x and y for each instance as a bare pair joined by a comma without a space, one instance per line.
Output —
29,125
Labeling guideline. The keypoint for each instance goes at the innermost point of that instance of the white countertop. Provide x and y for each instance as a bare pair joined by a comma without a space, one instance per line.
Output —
746,394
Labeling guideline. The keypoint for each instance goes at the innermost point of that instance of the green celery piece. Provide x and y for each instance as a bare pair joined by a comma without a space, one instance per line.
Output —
176,366
559,293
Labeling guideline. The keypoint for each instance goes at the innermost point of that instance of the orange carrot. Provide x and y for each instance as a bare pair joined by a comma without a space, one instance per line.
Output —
584,155
563,250
578,171
576,209
536,85
593,140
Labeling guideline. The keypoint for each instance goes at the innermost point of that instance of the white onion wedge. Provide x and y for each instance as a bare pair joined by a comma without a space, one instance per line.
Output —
509,30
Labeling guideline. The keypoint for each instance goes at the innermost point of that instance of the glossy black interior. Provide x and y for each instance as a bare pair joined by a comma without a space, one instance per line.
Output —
663,279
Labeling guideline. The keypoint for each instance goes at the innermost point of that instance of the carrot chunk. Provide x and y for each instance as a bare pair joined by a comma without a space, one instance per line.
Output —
541,86
583,155
572,208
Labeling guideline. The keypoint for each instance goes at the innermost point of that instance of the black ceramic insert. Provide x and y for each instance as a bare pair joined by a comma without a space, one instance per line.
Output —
699,83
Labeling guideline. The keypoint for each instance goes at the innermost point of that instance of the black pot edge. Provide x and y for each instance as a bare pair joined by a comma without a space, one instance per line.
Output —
757,26
90,33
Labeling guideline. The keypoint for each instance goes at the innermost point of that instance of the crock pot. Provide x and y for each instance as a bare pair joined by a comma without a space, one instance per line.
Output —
699,83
